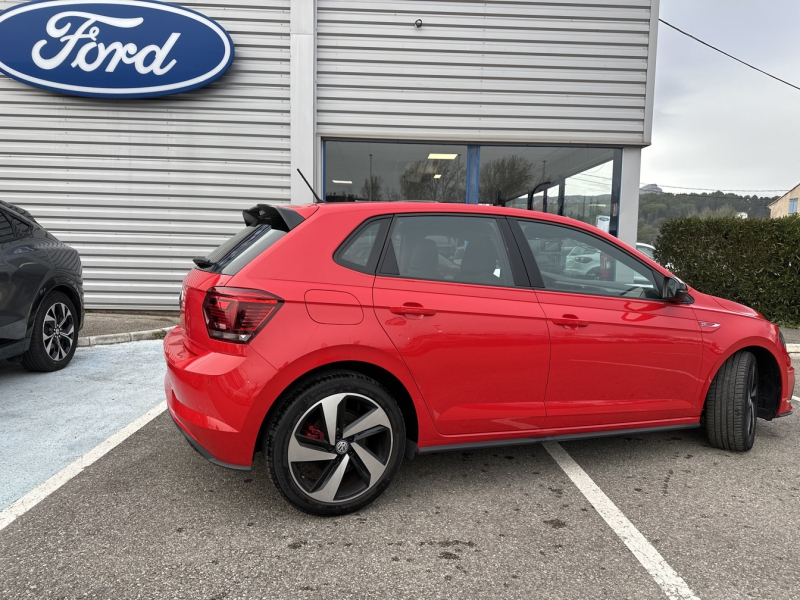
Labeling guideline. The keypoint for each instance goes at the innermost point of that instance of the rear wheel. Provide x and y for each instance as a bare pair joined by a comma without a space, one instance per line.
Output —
336,444
55,335
731,409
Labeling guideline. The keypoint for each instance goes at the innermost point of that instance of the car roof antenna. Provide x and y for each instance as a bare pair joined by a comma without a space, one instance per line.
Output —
311,188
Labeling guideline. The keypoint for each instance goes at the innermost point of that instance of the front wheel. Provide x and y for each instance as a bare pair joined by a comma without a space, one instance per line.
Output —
731,409
336,444
55,335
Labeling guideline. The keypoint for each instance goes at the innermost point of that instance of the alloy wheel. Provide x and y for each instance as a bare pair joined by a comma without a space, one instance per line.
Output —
340,448
752,399
58,331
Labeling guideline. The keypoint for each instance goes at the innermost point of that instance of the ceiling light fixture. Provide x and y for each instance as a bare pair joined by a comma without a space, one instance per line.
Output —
342,181
434,156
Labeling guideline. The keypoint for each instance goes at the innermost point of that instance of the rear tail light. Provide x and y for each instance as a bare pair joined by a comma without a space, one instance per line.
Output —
236,315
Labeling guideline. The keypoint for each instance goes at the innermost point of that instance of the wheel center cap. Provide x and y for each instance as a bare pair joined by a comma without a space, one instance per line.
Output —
342,447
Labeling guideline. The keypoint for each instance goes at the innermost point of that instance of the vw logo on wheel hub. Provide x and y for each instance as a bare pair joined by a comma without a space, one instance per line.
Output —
342,447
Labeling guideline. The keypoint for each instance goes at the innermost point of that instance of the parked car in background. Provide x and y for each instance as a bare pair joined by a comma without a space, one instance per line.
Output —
646,249
338,338
41,293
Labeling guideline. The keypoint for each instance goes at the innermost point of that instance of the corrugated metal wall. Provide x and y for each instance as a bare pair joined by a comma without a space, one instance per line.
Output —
139,187
556,71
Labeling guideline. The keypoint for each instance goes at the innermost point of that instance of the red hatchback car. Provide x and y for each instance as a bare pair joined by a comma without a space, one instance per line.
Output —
338,338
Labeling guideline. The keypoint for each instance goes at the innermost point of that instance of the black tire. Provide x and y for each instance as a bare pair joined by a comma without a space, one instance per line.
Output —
731,409
55,335
348,475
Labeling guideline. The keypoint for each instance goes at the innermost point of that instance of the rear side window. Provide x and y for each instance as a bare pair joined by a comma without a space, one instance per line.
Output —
243,247
461,249
361,251
20,227
6,231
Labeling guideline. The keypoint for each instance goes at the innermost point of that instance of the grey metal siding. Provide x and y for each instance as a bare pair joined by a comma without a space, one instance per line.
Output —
139,187
560,71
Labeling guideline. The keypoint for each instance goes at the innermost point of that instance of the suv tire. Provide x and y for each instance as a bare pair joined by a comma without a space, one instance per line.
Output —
55,335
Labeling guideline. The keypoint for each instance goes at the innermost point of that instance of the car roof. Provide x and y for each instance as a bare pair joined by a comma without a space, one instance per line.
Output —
369,209
388,208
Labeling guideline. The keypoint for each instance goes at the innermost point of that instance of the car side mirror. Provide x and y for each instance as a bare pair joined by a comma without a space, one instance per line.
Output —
674,290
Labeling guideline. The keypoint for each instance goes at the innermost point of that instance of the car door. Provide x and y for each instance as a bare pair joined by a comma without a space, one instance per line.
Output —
22,270
619,353
472,336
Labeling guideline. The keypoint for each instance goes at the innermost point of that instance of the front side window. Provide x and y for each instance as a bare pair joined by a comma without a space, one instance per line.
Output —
571,260
457,249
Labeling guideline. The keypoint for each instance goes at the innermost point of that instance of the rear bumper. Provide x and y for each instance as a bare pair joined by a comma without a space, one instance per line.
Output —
216,399
203,452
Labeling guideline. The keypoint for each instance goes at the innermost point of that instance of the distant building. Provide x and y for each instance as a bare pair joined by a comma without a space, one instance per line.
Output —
651,188
741,215
785,205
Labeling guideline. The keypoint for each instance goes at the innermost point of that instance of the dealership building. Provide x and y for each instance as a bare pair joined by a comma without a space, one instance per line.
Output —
540,105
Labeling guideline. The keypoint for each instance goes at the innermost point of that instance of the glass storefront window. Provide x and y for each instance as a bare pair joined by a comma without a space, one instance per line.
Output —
576,182
386,171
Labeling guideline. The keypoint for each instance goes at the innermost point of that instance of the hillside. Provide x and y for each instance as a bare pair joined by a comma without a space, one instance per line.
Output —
654,209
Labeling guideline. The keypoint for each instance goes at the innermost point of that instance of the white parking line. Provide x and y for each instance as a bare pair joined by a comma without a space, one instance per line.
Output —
32,498
665,576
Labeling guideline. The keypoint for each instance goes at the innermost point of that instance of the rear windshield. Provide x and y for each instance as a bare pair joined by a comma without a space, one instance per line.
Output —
243,247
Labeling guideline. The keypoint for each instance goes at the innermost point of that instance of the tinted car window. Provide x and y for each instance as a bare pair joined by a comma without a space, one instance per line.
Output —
450,248
20,227
361,251
243,247
571,260
6,231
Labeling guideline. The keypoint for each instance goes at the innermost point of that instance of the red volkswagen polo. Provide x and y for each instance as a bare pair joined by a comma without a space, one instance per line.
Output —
338,338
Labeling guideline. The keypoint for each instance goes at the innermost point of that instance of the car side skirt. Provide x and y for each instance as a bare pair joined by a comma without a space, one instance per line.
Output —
553,438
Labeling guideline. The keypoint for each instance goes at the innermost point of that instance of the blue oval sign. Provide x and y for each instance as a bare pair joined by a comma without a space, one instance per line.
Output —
112,48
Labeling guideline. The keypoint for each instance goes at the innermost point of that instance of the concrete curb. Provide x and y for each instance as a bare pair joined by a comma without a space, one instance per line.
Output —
793,348
121,338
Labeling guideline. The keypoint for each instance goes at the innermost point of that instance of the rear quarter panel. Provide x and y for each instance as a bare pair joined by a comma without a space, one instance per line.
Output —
293,342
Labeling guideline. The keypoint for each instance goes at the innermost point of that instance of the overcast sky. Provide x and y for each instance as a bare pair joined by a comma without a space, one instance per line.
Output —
717,123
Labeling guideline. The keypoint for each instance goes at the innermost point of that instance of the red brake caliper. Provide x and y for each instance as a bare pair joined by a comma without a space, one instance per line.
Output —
313,432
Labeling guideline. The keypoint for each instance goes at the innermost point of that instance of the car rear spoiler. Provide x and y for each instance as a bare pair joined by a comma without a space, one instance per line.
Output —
279,217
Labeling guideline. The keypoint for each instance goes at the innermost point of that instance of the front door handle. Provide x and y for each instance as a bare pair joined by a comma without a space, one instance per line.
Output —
570,321
412,308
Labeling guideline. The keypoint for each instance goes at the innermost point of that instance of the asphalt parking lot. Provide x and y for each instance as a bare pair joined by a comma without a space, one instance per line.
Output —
153,519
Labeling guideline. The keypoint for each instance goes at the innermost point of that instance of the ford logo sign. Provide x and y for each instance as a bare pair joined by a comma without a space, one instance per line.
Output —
112,48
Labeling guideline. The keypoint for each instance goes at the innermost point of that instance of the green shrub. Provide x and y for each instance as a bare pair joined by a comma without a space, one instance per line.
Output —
755,262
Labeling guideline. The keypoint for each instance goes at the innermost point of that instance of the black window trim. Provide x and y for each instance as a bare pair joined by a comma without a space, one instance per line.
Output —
377,250
387,265
14,233
533,267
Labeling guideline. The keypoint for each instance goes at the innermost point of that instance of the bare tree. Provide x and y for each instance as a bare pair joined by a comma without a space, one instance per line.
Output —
373,190
440,181
505,178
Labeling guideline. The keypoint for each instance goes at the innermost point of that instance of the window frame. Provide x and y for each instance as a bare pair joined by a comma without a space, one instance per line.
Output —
375,254
387,265
536,276
14,233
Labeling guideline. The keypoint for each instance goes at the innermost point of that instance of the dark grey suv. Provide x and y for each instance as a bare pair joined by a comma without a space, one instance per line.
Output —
41,293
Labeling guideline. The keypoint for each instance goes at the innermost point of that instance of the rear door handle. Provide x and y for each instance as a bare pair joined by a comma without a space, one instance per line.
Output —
570,321
412,308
